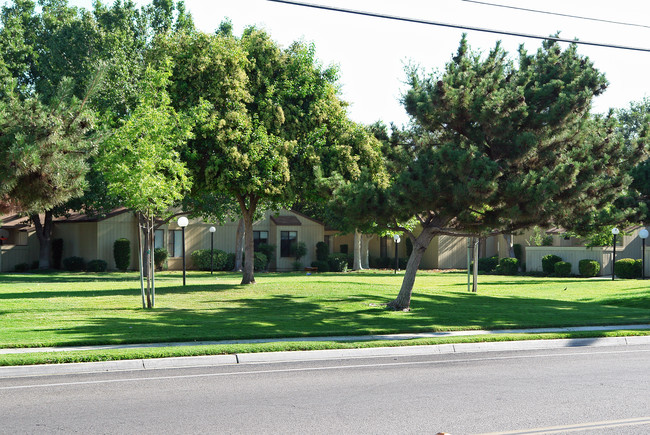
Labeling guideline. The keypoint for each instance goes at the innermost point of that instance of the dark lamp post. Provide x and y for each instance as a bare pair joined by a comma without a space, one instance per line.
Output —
397,240
182,222
644,235
615,233
212,230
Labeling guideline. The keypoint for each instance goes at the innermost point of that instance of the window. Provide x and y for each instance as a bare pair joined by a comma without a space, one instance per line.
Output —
260,237
159,239
175,245
288,243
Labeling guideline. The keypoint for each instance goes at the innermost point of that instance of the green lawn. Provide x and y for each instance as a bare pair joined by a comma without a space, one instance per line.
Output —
72,309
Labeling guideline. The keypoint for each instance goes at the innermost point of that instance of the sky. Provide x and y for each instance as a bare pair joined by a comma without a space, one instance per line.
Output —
371,53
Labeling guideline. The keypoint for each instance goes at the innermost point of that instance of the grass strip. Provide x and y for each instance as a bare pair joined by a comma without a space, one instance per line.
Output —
229,349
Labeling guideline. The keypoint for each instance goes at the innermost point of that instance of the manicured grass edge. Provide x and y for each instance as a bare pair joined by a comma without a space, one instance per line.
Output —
230,349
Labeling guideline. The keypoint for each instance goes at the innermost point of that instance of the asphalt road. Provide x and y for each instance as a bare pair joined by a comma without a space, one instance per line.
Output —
571,390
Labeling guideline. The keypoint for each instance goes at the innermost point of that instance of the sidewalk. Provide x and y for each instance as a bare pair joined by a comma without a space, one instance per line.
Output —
314,355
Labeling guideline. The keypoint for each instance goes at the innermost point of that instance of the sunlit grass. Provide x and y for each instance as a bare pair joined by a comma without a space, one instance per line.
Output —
66,309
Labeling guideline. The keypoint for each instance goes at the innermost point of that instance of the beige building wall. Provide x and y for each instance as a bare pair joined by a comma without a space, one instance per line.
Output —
79,239
123,225
26,252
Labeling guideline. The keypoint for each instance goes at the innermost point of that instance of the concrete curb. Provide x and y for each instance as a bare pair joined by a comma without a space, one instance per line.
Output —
313,355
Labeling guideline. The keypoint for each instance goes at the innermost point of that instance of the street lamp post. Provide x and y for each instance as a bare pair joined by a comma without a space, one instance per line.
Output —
212,230
644,235
182,222
615,233
397,240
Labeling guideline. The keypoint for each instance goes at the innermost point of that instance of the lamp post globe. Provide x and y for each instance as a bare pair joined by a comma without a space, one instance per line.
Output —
182,222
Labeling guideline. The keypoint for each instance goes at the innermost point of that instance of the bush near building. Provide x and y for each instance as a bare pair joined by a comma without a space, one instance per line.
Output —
562,268
589,268
628,268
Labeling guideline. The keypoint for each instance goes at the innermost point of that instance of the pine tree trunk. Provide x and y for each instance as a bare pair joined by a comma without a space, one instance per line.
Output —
239,245
44,236
357,251
403,300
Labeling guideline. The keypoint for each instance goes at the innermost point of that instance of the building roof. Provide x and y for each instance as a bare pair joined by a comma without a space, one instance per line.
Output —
285,221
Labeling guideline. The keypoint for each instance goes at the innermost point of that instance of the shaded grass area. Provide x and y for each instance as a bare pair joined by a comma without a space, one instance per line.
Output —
84,309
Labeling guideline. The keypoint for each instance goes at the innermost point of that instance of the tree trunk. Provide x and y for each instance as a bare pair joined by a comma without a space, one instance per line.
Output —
146,263
140,261
239,246
403,300
365,250
475,271
357,251
152,260
44,236
247,213
511,248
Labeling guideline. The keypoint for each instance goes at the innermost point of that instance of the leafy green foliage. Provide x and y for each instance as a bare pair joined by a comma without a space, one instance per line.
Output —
338,262
122,254
159,257
508,266
628,268
74,264
322,251
322,265
588,268
562,268
548,263
201,259
96,266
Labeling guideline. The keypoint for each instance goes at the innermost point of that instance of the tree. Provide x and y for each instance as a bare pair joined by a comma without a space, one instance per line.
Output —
141,163
276,124
496,147
44,149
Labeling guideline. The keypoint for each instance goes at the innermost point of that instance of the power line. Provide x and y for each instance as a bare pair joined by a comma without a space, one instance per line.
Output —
457,26
556,14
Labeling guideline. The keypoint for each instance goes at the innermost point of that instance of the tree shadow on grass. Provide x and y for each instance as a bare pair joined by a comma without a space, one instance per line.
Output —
292,316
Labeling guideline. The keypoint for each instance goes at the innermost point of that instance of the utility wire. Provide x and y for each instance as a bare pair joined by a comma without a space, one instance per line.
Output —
457,26
556,13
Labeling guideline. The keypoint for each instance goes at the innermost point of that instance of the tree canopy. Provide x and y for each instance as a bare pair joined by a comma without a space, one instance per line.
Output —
498,146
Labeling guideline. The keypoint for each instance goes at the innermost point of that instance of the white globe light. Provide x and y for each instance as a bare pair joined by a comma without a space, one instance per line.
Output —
182,221
615,231
213,229
396,238
643,233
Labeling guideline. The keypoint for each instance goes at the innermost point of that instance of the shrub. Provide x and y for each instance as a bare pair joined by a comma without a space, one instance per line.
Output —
301,250
322,251
159,257
588,268
338,262
403,261
57,253
627,268
379,262
548,263
230,262
323,266
96,266
21,267
487,264
74,264
296,265
519,252
122,254
201,259
260,261
508,266
562,268
267,250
